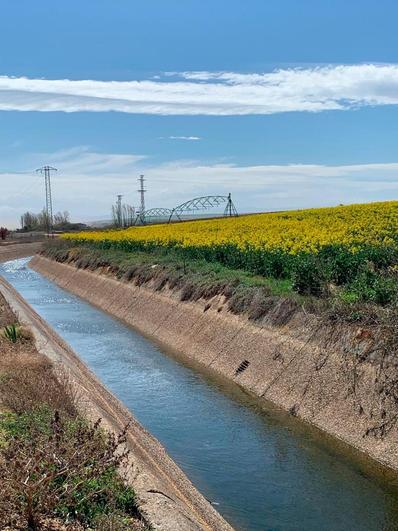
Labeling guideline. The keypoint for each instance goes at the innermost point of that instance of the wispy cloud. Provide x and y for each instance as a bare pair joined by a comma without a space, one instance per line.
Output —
180,138
316,89
87,183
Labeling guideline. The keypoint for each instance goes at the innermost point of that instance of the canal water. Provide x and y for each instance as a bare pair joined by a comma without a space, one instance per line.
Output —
262,470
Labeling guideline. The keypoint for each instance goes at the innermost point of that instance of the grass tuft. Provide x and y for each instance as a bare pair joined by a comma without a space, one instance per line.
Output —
12,332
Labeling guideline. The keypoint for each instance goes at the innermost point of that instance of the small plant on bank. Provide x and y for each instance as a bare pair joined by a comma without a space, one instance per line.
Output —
12,332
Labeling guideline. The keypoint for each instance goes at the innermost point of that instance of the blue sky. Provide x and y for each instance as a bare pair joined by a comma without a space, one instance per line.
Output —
284,103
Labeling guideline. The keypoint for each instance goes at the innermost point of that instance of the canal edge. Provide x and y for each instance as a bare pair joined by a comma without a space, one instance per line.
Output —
166,496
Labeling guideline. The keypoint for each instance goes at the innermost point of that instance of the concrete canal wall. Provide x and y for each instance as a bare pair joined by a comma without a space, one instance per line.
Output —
325,376
166,497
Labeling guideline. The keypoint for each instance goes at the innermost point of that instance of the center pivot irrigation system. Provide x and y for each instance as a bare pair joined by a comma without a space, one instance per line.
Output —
193,206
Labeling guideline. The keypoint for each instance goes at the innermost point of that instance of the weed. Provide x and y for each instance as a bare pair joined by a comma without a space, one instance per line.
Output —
12,332
261,304
27,388
62,466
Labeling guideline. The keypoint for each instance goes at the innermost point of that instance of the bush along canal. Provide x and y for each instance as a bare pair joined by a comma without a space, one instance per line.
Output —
263,470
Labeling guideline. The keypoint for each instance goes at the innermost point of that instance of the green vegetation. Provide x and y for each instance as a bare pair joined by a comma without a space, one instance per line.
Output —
351,249
244,292
369,275
12,332
133,264
335,282
57,470
58,465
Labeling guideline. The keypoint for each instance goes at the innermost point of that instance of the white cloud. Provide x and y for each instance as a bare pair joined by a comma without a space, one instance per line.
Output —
87,184
181,138
340,87
85,161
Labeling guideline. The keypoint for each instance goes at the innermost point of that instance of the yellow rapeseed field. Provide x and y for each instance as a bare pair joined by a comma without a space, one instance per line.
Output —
295,231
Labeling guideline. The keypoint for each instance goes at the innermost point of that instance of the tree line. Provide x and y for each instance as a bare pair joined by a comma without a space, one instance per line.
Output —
39,222
123,215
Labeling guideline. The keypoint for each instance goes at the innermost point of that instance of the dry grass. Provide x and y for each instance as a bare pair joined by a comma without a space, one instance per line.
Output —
27,379
6,315
42,435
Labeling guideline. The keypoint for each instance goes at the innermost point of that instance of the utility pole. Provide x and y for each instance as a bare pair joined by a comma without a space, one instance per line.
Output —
119,210
142,192
46,170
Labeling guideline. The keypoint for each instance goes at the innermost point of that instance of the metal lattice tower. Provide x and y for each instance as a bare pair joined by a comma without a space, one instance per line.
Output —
46,170
119,210
230,209
142,192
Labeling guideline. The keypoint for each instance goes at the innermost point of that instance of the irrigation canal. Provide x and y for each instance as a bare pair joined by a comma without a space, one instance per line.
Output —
263,470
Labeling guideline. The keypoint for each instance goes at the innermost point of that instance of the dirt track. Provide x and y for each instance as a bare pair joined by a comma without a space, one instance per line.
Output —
18,250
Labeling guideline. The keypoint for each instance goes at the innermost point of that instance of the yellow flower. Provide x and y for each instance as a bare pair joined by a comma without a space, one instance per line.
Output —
296,231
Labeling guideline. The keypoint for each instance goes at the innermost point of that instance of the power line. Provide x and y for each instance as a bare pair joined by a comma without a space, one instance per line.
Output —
24,190
46,170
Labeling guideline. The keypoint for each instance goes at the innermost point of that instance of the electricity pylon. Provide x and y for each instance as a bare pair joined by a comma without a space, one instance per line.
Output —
46,170
142,192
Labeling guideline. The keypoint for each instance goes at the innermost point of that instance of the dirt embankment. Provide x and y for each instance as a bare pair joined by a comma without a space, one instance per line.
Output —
20,360
330,377
12,251
167,499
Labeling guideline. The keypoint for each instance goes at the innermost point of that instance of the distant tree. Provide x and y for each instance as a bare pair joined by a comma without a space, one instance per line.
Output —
115,216
28,221
61,218
43,221
124,216
40,221
31,221
128,215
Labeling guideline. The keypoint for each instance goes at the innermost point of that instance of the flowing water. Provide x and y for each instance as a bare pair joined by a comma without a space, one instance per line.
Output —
263,470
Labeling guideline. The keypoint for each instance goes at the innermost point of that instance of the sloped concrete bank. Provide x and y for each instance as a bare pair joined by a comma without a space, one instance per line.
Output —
167,499
327,377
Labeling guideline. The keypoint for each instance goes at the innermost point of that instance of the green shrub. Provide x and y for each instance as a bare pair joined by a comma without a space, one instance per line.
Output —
338,264
307,276
373,286
349,297
60,466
